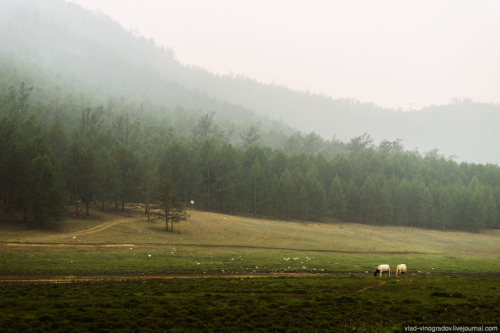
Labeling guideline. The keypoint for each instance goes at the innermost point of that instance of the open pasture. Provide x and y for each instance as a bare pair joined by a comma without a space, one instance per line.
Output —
225,273
116,245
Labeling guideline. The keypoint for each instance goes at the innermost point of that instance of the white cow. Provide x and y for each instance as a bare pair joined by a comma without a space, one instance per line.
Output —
401,269
381,269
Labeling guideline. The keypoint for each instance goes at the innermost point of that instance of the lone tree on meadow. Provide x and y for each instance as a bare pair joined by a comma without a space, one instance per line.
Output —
171,204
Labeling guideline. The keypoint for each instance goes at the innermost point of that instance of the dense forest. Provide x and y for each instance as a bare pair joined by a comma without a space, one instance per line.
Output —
91,114
115,155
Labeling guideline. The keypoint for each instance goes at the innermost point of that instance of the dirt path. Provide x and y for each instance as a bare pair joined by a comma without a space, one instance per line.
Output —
160,277
98,228
381,283
99,245
69,280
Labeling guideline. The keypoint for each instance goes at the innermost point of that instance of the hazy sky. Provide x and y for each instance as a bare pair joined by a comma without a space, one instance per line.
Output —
394,53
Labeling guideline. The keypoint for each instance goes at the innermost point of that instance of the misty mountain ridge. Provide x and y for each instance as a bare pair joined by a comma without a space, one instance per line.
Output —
59,46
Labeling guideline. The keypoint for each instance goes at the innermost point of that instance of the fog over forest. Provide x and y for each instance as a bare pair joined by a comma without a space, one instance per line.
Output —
464,130
86,100
401,55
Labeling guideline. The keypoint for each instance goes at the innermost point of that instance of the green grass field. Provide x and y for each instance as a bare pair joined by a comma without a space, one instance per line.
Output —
115,272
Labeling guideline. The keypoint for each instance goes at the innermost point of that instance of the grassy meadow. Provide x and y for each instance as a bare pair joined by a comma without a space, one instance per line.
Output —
118,272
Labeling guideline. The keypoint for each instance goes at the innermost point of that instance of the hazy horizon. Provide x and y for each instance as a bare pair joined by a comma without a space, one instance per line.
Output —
395,54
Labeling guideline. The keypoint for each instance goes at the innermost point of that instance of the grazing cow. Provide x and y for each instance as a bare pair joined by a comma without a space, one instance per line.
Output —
381,269
401,269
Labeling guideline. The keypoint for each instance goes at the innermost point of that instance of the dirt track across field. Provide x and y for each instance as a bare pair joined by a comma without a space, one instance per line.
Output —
159,277
96,229
104,245
75,280
381,283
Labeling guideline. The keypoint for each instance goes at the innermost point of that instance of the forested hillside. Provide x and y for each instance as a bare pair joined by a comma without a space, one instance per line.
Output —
114,158
91,114
71,56
92,54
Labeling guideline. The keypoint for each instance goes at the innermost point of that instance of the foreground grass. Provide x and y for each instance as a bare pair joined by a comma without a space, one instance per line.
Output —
279,304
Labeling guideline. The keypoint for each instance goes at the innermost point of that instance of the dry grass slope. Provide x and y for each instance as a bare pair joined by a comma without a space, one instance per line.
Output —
211,229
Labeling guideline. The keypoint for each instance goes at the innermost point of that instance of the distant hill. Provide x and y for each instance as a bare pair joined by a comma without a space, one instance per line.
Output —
463,129
60,47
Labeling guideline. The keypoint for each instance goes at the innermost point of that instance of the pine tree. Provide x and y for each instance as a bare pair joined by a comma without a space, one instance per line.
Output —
148,179
284,195
426,208
46,195
316,198
171,204
338,201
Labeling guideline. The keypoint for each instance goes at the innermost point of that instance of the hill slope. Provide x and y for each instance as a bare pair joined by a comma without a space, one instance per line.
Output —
69,49
63,50
212,230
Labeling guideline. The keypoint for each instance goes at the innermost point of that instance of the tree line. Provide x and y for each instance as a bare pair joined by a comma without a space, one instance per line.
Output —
113,158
